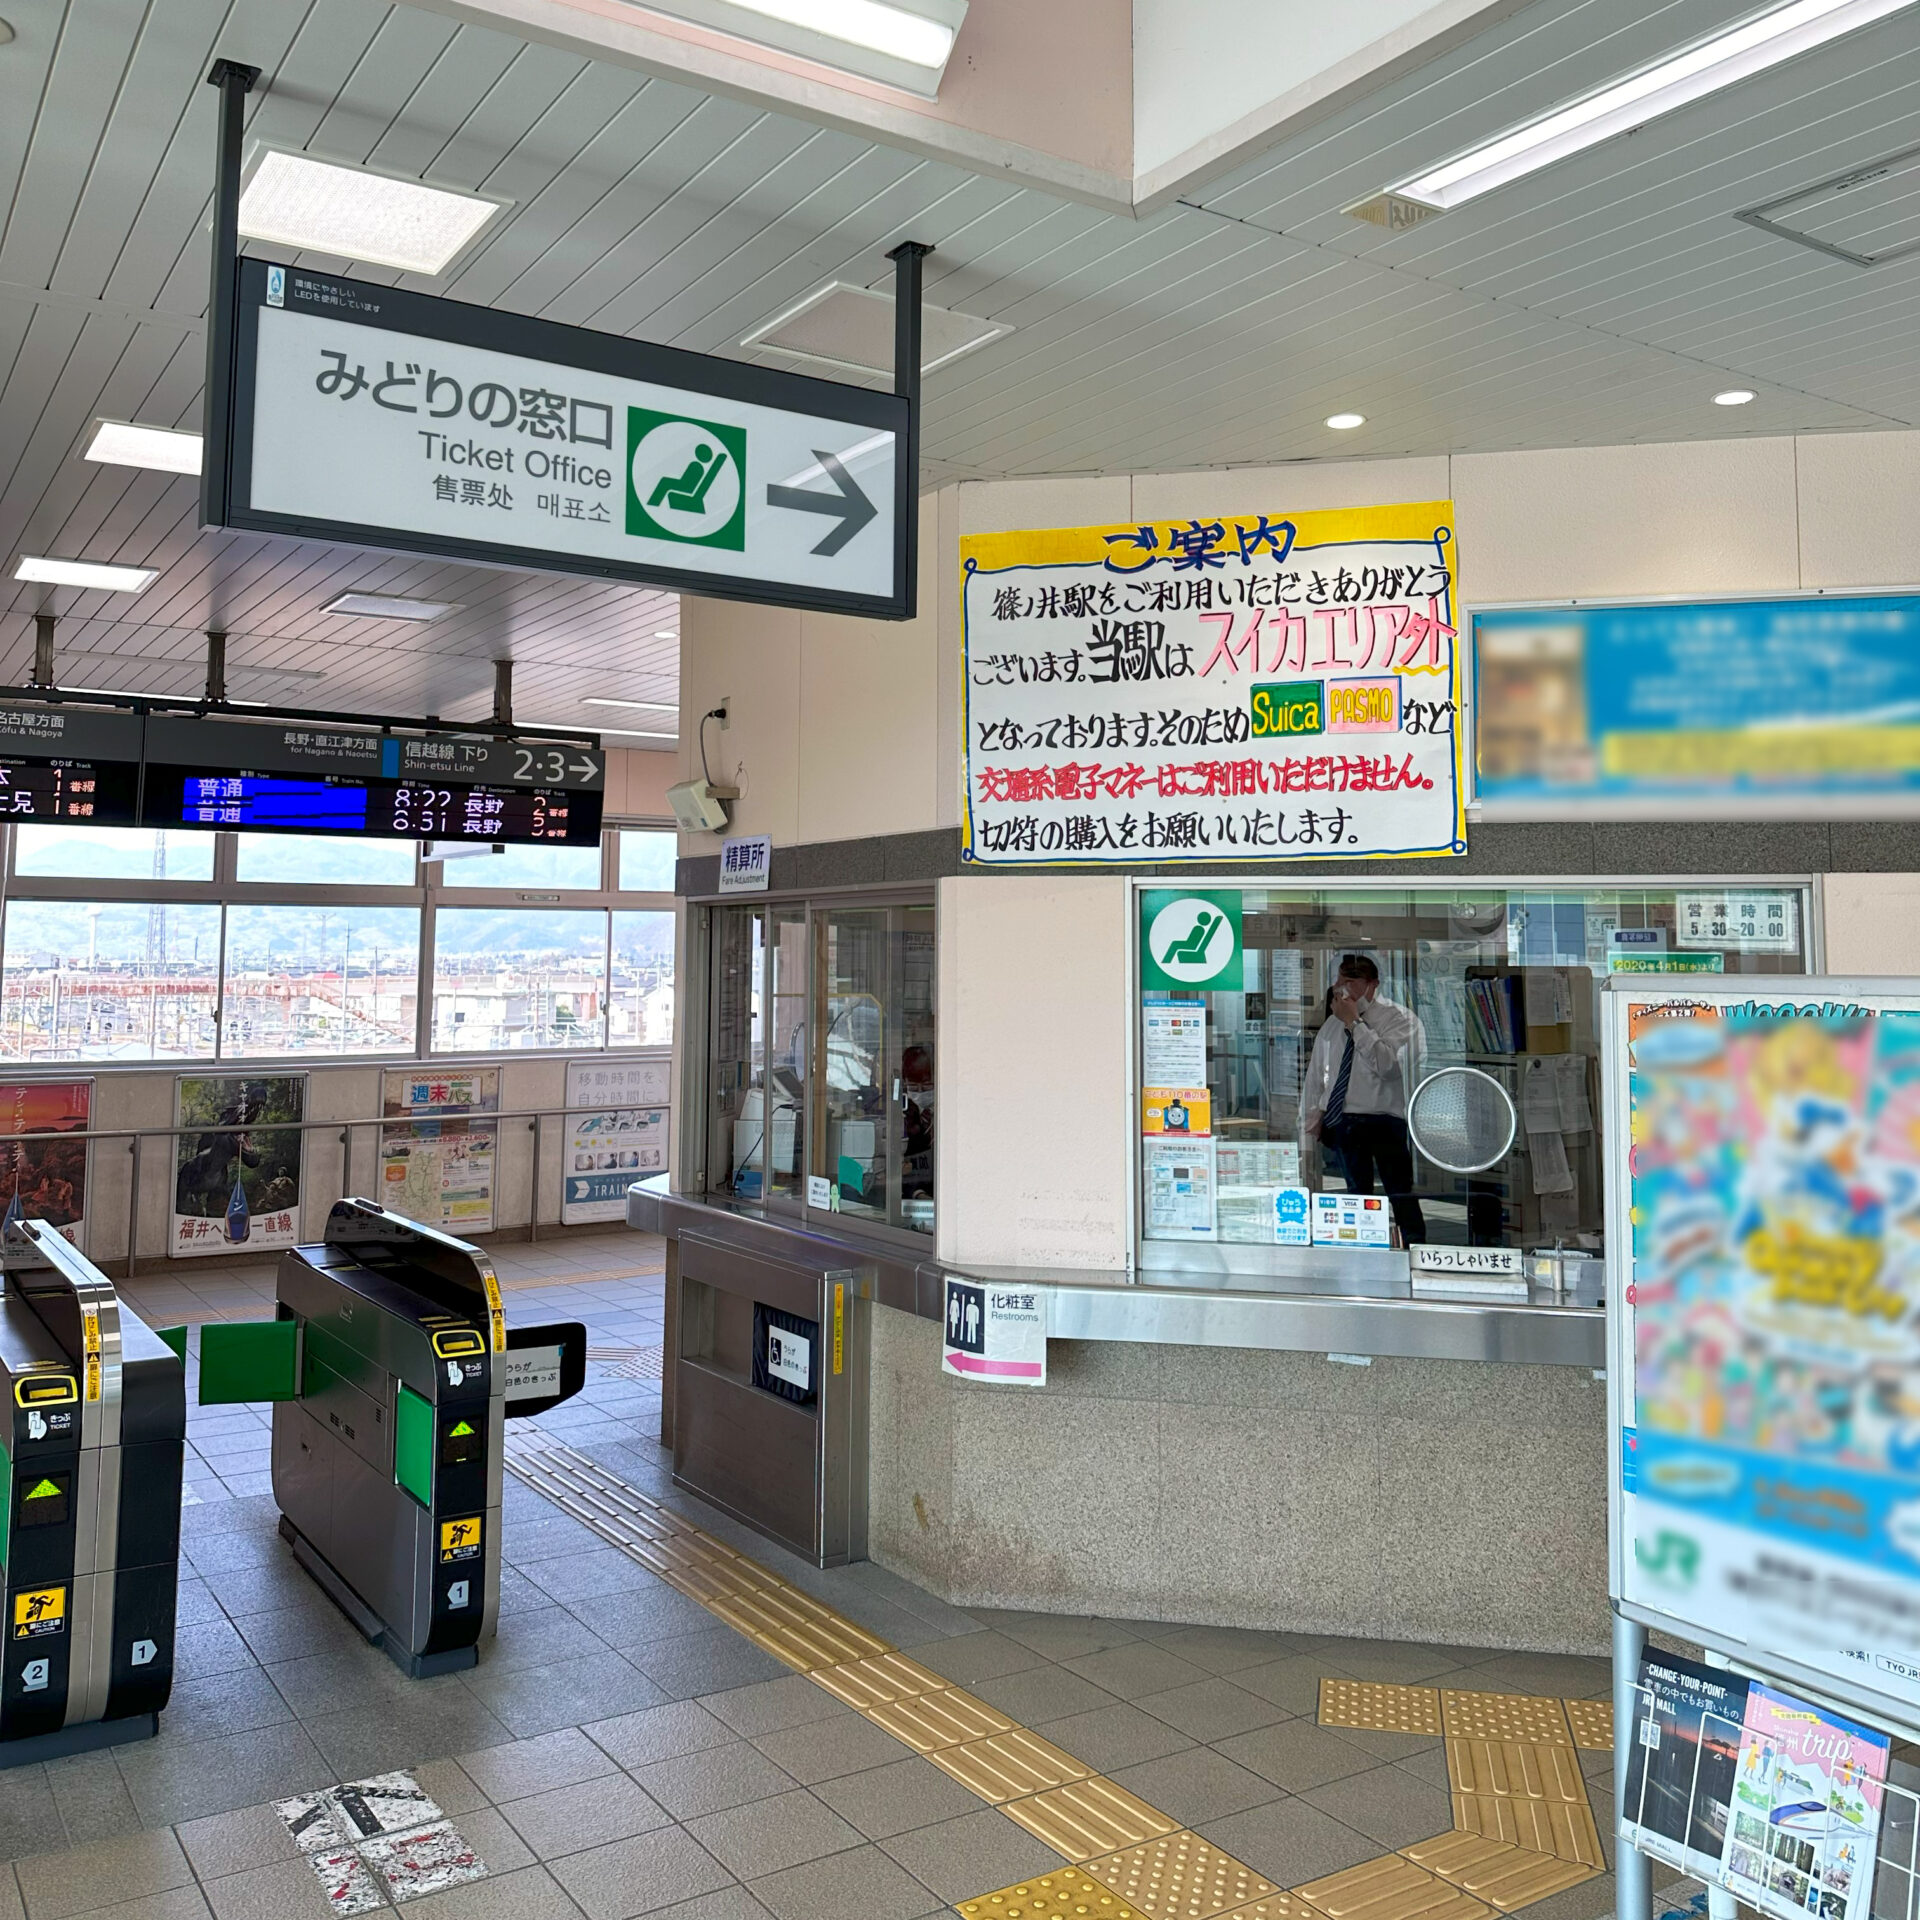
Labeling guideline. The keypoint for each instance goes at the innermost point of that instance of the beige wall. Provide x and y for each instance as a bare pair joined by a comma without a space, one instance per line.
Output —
637,783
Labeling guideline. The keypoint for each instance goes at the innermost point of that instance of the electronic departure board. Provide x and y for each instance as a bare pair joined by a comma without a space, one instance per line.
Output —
69,765
306,779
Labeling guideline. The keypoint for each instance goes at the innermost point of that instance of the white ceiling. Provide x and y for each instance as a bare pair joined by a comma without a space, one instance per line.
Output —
1603,301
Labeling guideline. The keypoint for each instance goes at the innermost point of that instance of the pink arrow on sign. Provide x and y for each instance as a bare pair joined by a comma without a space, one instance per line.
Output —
971,1363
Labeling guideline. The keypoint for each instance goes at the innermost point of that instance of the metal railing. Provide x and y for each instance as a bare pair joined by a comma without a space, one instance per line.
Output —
534,1119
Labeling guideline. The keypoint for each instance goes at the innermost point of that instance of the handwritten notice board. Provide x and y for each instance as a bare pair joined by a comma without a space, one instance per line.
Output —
1275,686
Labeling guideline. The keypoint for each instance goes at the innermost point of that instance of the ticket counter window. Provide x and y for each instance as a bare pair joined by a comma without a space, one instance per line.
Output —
1288,1075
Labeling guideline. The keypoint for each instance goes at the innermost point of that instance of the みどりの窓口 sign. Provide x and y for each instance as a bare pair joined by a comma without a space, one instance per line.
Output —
1269,686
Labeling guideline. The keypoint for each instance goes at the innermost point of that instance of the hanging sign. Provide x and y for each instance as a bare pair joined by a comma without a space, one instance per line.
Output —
377,417
64,763
1280,687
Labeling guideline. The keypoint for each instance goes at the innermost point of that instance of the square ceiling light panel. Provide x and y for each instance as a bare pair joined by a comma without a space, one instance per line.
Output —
123,443
901,43
98,575
388,606
852,327
1866,216
312,205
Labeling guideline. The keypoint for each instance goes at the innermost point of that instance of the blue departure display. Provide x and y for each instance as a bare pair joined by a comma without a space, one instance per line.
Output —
262,801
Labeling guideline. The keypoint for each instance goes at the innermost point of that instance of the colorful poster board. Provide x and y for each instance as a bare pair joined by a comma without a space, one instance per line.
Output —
46,1176
1266,686
1704,707
237,1163
617,1133
1763,1294
438,1166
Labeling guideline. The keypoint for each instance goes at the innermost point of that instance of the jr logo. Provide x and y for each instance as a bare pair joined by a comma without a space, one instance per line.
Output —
1672,1559
686,480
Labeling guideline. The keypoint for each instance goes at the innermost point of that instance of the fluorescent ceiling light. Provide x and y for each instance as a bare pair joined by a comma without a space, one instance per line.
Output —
1733,397
86,573
650,706
623,733
1346,422
389,606
319,206
904,43
666,633
122,443
1758,43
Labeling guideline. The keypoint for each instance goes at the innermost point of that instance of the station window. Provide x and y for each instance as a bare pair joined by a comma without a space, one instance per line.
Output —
1240,1096
564,868
508,980
111,853
322,859
326,980
647,859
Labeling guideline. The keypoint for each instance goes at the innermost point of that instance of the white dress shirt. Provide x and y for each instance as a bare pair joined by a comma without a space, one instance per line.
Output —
1388,1046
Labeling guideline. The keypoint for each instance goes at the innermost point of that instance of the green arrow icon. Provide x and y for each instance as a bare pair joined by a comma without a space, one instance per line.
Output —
44,1491
463,1428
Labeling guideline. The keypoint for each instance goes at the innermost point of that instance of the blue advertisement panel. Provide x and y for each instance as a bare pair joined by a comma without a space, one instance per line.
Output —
1727,699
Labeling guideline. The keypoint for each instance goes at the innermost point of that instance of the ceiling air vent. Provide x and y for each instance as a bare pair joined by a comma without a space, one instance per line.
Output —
1866,216
852,327
1394,211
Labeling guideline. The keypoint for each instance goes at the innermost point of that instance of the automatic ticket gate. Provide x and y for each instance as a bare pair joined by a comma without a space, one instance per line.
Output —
394,1374
89,1504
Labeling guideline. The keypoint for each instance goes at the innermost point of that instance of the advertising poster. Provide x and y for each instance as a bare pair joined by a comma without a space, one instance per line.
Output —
616,1134
1176,1110
45,1179
1719,702
437,1168
1770,1476
1688,1726
1275,686
236,1180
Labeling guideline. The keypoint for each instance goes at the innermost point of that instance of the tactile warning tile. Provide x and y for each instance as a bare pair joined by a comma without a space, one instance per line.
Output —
1518,1767
1541,1826
1089,1819
1592,1723
1180,1877
928,1722
871,1683
1391,1888
1009,1766
796,1629
1504,1716
1505,1876
1379,1706
1064,1894
1276,1906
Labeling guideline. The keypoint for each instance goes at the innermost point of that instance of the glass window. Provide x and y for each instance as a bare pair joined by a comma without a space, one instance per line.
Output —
47,852
557,868
736,1070
329,980
507,979
324,859
120,981
1252,1096
647,859
640,995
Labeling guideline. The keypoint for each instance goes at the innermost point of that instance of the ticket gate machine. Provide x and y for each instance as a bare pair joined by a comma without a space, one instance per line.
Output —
397,1373
89,1504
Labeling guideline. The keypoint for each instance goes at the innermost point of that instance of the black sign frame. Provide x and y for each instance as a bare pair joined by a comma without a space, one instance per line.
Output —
460,323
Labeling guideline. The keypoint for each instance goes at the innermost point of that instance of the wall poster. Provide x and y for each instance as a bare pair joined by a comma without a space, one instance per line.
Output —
45,1178
617,1133
1280,686
437,1167
237,1160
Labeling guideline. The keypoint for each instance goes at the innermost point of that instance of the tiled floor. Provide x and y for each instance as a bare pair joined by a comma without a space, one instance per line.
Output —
619,1751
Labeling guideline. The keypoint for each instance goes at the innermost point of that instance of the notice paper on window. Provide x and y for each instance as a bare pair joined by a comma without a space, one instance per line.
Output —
1250,1176
1178,1177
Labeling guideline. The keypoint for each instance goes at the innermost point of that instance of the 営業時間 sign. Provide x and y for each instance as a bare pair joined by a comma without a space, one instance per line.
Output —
383,418
1268,685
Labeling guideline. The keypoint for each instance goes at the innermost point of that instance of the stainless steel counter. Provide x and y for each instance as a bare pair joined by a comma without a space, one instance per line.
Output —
1330,1300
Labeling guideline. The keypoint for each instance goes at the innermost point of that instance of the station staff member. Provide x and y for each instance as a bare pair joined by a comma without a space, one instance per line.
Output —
1355,1097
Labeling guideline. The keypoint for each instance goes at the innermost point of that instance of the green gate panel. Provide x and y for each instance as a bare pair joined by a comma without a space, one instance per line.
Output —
413,1445
176,1338
248,1360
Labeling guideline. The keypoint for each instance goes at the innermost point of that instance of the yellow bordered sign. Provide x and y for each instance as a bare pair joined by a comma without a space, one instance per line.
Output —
496,1315
460,1539
90,1334
39,1612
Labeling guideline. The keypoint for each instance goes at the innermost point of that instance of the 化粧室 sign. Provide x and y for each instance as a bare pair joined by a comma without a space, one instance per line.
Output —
1273,686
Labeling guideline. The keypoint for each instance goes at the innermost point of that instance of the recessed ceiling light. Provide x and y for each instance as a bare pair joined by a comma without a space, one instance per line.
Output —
905,43
122,443
318,206
1703,68
1345,422
1733,397
86,573
389,606
666,633
650,706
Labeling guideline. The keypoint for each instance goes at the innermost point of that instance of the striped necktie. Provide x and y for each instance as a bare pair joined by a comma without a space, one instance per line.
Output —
1337,1100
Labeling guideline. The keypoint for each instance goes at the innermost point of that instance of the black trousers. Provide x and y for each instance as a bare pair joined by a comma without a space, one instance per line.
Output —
1364,1142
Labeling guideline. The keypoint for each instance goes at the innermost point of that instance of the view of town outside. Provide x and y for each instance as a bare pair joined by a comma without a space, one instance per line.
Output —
120,980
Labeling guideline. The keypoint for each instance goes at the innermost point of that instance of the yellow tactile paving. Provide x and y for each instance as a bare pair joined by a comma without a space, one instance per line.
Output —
1503,1875
930,1721
1276,1906
1391,1888
871,1683
1592,1724
1091,1818
1009,1766
1181,1877
1541,1826
1504,1716
1516,1767
1064,1894
1377,1705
